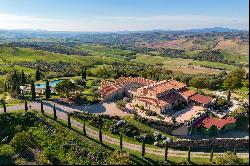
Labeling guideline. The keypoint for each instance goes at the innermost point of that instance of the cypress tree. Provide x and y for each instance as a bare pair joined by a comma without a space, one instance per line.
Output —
15,89
189,153
121,142
69,122
143,147
47,90
84,128
4,107
100,134
38,74
23,78
5,87
33,91
25,106
54,109
42,107
212,155
166,151
85,73
235,150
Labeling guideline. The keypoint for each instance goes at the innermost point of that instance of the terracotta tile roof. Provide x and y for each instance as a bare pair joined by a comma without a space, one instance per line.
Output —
187,93
201,98
219,123
176,84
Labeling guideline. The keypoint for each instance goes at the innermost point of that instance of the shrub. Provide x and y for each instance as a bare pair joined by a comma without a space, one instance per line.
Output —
6,151
228,158
22,141
120,104
120,158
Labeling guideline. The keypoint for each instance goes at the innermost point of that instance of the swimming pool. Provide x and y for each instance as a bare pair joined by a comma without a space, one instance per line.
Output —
51,84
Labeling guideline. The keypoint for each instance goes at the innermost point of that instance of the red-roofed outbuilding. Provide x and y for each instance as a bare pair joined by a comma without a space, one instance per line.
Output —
201,99
219,123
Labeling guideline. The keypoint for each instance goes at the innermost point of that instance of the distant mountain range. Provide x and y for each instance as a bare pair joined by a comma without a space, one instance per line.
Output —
31,33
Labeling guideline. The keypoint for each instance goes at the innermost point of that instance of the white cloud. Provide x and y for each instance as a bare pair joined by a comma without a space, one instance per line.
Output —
116,23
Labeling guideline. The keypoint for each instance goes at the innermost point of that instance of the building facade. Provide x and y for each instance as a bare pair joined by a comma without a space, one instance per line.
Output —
160,97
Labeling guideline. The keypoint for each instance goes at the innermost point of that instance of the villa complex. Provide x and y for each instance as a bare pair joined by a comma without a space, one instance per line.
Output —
160,97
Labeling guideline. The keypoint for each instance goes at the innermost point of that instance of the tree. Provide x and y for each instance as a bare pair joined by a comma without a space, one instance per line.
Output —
65,86
84,74
121,142
69,122
15,89
228,158
84,128
100,134
242,122
25,106
38,74
143,147
4,106
54,110
211,155
213,130
233,82
5,87
23,78
33,91
197,82
42,107
189,154
166,151
120,158
47,90
238,72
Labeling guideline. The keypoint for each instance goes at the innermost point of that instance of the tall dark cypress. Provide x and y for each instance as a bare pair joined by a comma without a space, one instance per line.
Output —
189,154
121,142
166,151
5,87
84,128
234,150
143,147
38,74
25,106
212,155
42,107
47,90
82,73
54,110
100,134
33,91
4,107
69,122
23,78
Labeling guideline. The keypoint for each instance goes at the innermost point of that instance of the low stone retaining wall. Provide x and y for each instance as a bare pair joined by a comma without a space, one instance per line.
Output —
216,143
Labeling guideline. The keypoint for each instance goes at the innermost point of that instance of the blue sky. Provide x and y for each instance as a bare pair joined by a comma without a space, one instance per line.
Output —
115,15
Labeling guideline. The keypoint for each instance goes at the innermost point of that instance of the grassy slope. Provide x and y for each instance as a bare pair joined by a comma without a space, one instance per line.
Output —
30,55
174,63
